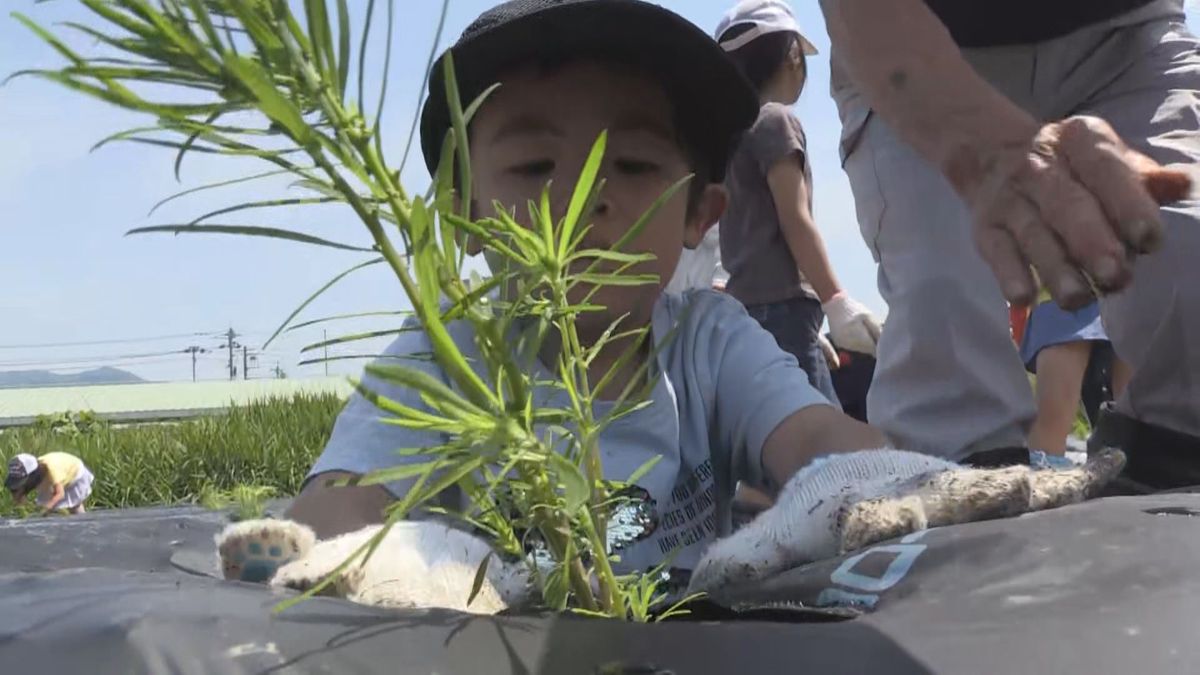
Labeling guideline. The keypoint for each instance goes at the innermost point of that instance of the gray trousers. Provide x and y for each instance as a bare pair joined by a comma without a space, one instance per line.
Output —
949,380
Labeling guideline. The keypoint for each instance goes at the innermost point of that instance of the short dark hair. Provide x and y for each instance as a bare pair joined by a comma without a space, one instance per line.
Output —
760,58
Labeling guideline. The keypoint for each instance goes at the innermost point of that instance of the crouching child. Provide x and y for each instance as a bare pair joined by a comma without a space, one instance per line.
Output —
59,480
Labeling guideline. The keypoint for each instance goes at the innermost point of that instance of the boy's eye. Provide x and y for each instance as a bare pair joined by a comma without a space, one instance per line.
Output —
635,167
534,169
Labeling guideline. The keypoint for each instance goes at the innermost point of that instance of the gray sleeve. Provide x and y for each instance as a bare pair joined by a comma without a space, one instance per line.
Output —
363,439
757,385
776,135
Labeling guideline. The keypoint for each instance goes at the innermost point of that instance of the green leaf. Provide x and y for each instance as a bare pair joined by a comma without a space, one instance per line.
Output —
276,106
576,490
396,473
250,231
425,74
646,217
432,390
583,192
269,203
357,337
320,291
458,127
343,60
49,38
613,256
480,577
191,140
341,317
643,470
321,39
615,279
219,184
556,592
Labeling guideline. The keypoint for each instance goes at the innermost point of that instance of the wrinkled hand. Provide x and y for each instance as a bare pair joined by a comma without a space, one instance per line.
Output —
851,325
1077,204
843,503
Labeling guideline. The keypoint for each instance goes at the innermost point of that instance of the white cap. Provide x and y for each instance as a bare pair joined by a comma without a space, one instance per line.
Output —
19,468
28,462
766,16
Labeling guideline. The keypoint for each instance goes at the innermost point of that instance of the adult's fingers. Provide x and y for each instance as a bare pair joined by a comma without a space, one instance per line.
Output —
1000,251
1071,208
1113,175
1166,185
1050,259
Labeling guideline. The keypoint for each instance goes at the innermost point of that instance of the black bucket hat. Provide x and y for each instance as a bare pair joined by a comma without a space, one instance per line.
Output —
718,102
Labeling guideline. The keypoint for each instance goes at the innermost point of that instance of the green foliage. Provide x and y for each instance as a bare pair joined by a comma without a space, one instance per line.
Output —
270,444
262,81
248,501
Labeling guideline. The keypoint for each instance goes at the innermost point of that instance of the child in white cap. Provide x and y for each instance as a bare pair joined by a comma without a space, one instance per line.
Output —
769,242
61,480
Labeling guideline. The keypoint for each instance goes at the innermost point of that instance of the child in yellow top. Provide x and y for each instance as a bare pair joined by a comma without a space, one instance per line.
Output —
62,481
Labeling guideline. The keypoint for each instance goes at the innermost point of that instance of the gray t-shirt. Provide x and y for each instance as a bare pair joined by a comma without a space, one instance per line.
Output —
726,386
753,251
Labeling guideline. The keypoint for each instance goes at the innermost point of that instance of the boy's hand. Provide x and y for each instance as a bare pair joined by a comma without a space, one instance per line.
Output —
851,324
843,503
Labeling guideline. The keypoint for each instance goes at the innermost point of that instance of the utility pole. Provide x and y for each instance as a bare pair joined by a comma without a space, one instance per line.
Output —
194,350
231,345
325,335
246,360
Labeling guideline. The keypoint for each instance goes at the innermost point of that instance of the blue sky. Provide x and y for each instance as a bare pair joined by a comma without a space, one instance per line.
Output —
68,275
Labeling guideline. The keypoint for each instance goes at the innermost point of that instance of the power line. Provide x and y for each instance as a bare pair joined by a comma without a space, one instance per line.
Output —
88,343
114,364
86,359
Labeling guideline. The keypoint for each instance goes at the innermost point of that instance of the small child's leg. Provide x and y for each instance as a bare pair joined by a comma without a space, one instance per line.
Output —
255,549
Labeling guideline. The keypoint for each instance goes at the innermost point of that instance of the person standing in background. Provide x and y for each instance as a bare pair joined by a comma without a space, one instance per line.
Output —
994,148
769,241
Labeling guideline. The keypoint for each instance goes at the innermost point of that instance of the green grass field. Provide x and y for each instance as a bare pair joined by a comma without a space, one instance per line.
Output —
270,444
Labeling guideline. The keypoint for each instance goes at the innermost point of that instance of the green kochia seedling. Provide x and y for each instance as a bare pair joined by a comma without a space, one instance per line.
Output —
261,81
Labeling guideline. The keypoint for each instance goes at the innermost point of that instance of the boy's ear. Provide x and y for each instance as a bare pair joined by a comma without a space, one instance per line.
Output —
707,211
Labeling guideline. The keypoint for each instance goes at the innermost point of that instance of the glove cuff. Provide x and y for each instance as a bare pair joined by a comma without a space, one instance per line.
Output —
833,475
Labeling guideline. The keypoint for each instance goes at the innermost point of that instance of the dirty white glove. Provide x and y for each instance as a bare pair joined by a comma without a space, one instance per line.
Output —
851,324
845,502
418,564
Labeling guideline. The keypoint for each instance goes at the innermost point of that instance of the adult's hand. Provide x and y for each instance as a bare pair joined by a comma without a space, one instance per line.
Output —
1069,201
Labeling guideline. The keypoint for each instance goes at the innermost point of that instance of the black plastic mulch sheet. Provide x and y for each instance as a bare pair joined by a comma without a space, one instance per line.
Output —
1110,586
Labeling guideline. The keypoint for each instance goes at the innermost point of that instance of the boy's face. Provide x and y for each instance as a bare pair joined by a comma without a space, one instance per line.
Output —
539,127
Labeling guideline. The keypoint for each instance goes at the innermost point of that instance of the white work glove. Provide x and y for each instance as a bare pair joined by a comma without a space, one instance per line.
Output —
420,563
851,324
845,502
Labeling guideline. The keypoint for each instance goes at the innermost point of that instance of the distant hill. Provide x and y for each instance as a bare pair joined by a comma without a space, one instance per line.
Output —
45,378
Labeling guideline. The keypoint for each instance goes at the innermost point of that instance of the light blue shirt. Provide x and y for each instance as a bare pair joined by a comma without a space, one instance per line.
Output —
726,386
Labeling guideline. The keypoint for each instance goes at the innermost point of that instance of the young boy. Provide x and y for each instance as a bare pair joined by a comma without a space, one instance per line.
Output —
61,480
729,406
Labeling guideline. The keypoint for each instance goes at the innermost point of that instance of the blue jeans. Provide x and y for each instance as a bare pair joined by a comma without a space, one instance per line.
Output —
796,325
